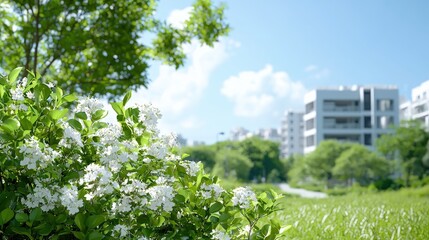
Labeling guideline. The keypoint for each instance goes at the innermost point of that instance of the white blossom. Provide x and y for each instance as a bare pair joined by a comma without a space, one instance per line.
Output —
69,199
43,197
149,116
219,235
243,197
161,196
34,156
192,168
98,179
122,230
211,191
89,106
71,137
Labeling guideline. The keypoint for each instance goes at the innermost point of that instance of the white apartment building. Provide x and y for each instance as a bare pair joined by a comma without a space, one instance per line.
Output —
357,114
292,137
271,134
418,107
239,134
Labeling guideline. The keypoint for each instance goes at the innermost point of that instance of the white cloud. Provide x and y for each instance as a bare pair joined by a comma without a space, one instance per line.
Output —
255,93
175,91
316,72
178,17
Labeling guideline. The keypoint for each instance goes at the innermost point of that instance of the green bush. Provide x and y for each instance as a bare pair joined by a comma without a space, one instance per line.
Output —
64,173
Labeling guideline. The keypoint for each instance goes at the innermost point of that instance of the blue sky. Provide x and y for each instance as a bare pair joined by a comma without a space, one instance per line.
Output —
278,50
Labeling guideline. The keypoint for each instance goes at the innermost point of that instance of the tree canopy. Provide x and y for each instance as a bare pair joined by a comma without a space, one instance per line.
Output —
408,145
97,46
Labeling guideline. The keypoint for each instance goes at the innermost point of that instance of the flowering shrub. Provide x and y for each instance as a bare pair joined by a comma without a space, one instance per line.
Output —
66,174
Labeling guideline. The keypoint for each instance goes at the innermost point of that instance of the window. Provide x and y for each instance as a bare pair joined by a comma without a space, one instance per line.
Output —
368,139
367,100
309,124
384,122
309,107
367,122
385,105
309,141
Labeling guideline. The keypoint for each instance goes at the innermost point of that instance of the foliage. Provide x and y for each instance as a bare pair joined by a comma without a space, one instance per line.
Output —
99,47
265,156
408,144
252,159
387,215
204,154
65,173
360,164
333,163
231,164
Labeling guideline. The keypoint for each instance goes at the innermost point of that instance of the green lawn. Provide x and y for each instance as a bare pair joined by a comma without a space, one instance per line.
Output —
390,215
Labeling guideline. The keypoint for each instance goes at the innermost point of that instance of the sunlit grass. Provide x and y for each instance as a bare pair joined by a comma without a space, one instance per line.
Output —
393,215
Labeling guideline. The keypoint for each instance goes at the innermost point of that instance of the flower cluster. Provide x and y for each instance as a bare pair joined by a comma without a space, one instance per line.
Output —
36,157
86,178
243,197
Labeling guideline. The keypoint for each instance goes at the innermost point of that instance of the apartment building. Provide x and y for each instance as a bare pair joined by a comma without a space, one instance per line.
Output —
356,114
292,134
418,107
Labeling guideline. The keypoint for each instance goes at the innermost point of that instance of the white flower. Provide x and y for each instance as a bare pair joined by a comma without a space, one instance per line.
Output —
69,199
148,115
36,157
243,197
44,197
212,190
17,94
161,196
98,179
219,235
122,229
71,137
30,95
192,168
89,106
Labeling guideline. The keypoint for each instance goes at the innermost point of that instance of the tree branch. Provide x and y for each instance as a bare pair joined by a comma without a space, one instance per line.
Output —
37,37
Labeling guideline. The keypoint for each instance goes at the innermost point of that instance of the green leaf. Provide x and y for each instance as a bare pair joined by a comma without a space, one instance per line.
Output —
79,219
70,97
22,231
81,115
58,93
94,220
99,114
118,107
11,124
21,217
6,215
26,124
58,114
75,124
44,229
95,235
79,235
126,98
215,207
13,75
36,214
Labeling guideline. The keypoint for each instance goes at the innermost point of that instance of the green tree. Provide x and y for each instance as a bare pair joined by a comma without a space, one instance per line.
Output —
408,145
321,161
96,46
265,156
232,164
358,163
203,154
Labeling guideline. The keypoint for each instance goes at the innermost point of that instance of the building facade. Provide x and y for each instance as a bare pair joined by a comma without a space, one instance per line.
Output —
356,114
292,134
418,107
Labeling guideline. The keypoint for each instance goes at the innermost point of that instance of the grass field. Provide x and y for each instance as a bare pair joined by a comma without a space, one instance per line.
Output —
391,215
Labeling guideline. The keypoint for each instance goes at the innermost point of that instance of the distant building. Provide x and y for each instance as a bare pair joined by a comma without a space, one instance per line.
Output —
292,134
356,114
181,141
418,107
271,134
239,134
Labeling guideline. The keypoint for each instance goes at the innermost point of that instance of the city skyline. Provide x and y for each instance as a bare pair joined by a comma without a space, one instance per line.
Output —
268,63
